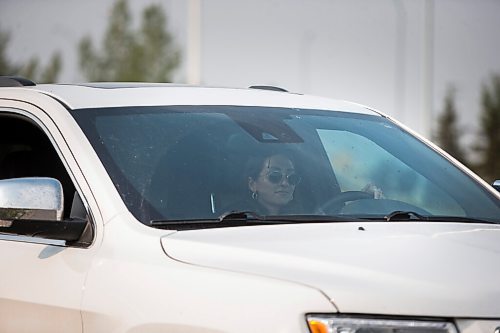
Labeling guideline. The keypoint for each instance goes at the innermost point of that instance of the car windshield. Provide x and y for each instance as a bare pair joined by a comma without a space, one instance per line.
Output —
202,163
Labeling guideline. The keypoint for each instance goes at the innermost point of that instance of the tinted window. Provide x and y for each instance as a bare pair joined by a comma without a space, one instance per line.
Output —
197,162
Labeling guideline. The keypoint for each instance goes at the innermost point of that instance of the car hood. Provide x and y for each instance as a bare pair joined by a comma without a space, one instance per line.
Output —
407,268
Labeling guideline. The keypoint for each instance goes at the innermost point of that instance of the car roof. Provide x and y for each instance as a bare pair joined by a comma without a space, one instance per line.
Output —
121,94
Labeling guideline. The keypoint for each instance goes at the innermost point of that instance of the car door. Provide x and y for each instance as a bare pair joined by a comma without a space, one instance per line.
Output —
42,280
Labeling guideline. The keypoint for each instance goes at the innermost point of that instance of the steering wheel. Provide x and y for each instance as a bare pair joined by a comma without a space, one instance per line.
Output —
335,204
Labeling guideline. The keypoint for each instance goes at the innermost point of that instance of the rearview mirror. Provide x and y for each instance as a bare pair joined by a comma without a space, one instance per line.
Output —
31,199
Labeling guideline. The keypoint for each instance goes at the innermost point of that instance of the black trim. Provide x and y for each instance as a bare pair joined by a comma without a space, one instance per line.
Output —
15,81
68,230
273,88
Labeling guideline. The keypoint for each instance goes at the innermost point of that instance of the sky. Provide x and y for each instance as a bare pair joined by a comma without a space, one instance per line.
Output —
397,56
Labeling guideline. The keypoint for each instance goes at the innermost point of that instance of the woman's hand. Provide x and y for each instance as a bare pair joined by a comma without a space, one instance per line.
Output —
373,189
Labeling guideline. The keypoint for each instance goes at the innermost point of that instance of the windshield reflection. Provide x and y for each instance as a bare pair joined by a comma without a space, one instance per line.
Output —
199,162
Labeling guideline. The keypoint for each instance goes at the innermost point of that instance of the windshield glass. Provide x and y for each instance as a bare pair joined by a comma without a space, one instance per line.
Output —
201,162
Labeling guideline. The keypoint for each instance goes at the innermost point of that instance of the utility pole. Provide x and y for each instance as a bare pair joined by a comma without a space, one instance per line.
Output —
305,61
400,56
428,68
194,42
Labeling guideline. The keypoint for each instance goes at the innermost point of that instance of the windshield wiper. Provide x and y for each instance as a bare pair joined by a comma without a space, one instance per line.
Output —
459,219
413,216
400,215
243,215
277,219
243,218
233,217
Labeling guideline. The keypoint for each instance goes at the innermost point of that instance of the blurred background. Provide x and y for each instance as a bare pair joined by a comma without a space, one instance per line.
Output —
432,64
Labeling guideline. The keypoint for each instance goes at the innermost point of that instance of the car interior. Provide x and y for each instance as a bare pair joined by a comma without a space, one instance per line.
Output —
26,151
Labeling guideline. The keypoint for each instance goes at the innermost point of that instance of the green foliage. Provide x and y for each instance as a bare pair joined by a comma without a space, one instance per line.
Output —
49,74
148,54
6,67
448,134
31,69
489,136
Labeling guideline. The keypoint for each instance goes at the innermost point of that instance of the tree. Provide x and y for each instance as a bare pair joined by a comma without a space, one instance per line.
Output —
49,74
489,136
448,134
31,69
6,67
148,54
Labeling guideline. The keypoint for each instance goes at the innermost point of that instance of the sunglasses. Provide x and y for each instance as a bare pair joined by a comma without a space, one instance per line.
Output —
276,177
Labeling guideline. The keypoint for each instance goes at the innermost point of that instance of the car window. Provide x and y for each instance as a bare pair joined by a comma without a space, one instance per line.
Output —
201,162
26,151
360,163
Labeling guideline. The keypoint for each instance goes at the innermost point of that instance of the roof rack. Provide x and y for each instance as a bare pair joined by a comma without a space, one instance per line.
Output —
273,88
15,81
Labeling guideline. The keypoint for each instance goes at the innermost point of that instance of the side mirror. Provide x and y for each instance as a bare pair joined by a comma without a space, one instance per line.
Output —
31,199
34,207
496,185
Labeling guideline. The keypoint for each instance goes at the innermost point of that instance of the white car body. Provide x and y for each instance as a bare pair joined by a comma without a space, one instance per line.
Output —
134,278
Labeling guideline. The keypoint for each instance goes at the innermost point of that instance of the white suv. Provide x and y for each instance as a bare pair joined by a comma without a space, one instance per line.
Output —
164,208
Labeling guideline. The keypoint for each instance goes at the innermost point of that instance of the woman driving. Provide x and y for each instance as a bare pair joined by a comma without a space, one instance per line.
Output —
272,180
